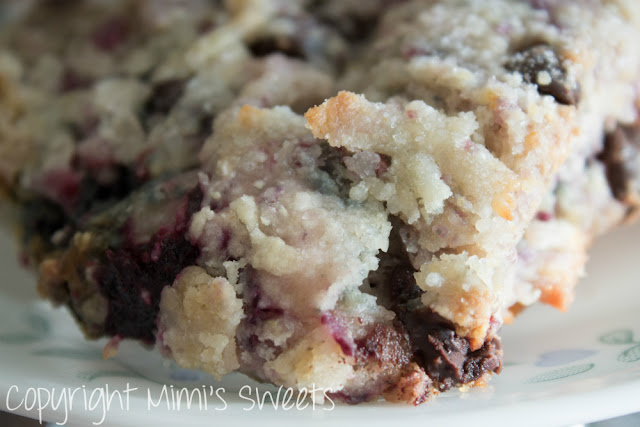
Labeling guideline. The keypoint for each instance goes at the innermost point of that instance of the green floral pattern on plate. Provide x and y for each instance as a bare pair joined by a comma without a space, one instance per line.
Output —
623,337
614,337
557,374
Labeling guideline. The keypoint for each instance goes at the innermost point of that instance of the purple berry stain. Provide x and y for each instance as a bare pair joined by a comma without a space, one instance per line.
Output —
132,276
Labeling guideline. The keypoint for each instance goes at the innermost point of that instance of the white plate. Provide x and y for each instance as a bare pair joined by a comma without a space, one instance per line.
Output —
559,368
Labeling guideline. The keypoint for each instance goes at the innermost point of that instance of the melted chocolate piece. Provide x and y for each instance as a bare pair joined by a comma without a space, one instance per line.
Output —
540,62
265,46
621,158
384,352
386,345
445,356
403,285
308,39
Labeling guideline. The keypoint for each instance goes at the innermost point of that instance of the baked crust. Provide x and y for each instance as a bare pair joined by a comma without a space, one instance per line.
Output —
352,196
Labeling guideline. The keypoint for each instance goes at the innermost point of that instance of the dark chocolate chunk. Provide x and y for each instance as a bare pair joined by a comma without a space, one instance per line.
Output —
446,357
541,66
385,350
386,345
403,284
287,46
621,157
307,39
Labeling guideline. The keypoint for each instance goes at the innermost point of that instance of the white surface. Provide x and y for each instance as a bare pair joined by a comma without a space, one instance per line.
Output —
40,347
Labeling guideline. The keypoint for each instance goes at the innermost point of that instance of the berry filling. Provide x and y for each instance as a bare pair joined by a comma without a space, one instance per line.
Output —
132,277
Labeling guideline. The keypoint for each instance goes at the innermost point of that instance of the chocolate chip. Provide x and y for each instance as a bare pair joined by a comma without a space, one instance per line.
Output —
387,345
541,66
403,284
307,39
621,157
445,356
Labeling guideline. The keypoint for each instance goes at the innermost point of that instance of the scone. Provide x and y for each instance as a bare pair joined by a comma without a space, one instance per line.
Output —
342,196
